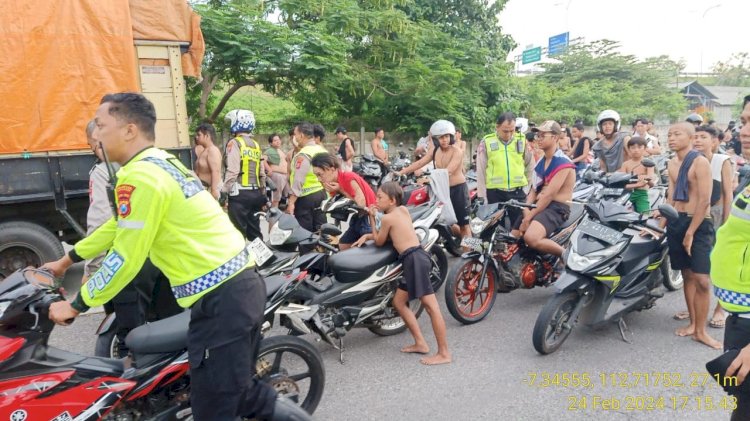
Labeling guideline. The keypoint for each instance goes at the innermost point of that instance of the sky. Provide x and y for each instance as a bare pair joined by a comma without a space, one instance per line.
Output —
701,32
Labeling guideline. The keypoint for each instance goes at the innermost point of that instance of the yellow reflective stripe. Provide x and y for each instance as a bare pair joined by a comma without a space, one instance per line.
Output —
247,154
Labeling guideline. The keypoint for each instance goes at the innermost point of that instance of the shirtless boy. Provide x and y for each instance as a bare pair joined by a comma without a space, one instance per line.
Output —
450,157
691,238
634,166
396,226
208,159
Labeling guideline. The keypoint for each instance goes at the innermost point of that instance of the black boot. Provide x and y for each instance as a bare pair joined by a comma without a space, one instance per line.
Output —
286,410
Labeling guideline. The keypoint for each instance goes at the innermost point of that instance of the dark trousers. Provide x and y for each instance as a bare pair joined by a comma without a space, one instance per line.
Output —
131,304
737,336
308,214
223,343
497,195
242,210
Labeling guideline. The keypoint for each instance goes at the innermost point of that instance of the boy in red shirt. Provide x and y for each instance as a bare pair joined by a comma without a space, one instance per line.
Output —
328,170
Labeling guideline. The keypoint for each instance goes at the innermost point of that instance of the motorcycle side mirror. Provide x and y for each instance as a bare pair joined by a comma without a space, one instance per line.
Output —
330,229
668,212
400,144
648,163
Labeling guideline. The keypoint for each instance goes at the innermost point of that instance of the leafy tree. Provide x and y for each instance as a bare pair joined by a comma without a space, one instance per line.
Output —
733,72
397,63
593,77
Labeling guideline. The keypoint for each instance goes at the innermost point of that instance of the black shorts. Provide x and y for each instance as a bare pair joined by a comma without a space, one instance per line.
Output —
416,265
703,242
460,202
551,218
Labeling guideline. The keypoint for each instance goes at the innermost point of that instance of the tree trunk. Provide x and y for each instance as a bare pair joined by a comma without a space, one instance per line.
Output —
208,83
231,91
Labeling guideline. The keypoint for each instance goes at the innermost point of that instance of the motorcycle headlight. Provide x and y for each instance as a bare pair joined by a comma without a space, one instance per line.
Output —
579,263
477,225
278,236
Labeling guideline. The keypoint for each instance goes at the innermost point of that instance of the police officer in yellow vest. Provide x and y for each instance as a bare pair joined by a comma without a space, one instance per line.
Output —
307,192
505,165
243,180
164,213
731,281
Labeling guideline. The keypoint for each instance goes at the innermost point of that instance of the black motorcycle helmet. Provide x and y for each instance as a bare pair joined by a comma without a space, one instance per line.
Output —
695,118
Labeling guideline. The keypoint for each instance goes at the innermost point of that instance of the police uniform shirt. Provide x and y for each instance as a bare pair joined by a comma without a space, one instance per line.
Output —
163,214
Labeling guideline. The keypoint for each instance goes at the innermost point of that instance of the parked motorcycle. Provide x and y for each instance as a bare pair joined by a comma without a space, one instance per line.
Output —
356,289
39,381
499,262
371,169
611,270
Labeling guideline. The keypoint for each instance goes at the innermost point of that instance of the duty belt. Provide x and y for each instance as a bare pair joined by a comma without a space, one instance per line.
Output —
215,277
250,187
732,297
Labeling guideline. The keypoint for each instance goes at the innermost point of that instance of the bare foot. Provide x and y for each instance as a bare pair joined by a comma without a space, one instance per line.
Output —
416,349
707,340
685,331
437,359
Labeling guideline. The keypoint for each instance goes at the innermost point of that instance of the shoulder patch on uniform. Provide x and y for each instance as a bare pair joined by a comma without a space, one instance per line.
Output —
229,146
298,162
124,192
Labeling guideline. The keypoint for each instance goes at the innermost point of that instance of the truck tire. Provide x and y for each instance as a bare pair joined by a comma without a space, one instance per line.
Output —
25,244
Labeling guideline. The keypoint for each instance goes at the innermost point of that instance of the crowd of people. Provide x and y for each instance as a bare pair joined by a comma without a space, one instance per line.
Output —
207,261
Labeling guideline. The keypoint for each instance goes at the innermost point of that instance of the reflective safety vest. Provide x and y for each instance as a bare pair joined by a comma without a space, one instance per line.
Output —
163,212
730,258
311,184
505,166
250,162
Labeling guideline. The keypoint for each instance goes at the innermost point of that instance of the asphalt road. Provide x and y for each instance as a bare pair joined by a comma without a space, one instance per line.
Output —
494,362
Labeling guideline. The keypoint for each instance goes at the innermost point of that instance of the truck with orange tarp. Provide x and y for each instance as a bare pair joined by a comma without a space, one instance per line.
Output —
58,60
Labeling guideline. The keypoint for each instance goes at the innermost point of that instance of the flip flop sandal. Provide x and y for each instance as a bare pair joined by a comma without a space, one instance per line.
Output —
681,315
717,324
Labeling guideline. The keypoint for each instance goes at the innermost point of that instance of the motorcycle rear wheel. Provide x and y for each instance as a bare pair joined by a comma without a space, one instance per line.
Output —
672,279
553,326
396,325
439,269
271,369
461,292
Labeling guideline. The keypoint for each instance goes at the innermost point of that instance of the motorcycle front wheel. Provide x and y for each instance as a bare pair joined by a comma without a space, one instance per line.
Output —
294,368
466,301
672,279
553,326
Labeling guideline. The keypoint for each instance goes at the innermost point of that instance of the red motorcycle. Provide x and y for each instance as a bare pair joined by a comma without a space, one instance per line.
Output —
41,382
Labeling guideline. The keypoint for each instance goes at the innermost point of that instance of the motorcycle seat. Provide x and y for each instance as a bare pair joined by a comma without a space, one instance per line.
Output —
357,263
576,210
166,335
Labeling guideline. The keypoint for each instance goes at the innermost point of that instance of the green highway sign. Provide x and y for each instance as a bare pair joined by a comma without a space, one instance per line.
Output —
531,55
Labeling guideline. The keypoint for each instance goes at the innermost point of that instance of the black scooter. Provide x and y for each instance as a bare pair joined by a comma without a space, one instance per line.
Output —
611,270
